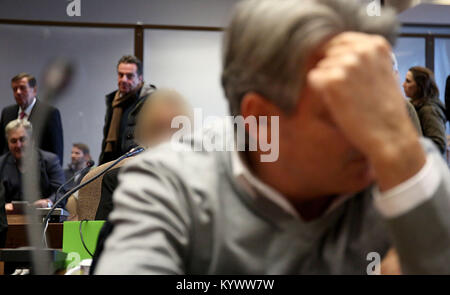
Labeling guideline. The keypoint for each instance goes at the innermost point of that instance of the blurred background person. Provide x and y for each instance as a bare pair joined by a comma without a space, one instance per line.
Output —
411,110
421,88
18,133
80,155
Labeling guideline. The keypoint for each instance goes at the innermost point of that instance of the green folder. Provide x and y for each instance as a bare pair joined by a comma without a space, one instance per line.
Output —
72,244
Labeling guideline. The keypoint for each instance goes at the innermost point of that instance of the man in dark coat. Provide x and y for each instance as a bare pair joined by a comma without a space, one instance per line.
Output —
12,169
29,107
122,107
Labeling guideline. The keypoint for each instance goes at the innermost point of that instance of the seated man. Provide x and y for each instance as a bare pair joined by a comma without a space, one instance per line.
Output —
78,160
345,176
18,134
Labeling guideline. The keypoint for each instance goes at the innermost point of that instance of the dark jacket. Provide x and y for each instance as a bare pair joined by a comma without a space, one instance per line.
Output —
127,124
69,173
432,118
52,135
52,176
3,218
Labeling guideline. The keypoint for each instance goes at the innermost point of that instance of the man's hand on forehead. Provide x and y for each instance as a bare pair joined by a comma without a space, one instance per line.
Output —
356,82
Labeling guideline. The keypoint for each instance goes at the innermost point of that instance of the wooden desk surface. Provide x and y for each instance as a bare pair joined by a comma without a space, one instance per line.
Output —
16,219
17,235
17,232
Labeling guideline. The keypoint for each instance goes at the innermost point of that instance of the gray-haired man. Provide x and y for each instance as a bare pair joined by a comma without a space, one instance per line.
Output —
351,166
12,168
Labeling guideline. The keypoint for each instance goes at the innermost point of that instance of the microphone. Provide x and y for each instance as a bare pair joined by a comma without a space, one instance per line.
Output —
89,164
132,152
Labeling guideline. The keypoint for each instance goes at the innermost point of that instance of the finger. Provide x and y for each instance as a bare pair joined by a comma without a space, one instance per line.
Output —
358,43
355,38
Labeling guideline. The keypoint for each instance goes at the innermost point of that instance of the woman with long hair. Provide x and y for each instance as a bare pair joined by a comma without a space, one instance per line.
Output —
421,88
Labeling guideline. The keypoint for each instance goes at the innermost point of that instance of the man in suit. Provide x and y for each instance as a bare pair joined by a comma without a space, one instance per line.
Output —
29,107
122,107
350,177
12,168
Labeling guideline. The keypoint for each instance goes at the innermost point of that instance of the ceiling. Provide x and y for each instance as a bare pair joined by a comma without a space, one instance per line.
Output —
422,11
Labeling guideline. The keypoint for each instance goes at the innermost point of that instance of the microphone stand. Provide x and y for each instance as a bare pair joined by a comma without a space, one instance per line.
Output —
90,163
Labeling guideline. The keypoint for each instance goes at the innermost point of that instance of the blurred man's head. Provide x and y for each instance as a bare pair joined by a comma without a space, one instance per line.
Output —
270,46
24,89
129,74
80,155
18,134
154,121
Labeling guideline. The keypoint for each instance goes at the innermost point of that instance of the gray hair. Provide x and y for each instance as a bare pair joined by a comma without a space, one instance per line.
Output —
18,123
268,42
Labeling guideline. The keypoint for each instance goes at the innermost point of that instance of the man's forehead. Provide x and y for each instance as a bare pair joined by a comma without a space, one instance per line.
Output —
76,150
127,68
23,81
18,132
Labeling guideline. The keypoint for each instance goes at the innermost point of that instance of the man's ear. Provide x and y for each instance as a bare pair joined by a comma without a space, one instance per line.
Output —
254,104
34,90
141,78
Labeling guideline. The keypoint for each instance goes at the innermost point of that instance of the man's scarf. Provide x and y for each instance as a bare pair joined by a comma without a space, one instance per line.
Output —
117,103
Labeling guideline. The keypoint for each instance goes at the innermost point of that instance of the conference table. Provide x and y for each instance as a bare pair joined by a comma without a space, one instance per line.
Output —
16,236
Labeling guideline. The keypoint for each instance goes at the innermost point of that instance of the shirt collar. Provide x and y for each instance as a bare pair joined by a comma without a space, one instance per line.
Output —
255,187
29,108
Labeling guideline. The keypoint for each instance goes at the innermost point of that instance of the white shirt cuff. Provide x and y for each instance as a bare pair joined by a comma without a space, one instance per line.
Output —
410,193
